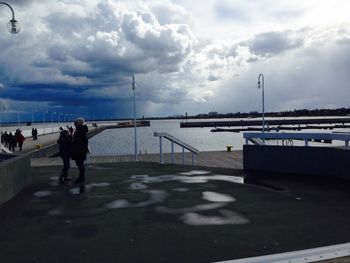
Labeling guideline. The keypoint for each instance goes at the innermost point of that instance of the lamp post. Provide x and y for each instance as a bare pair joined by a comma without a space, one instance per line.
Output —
52,113
135,130
3,108
12,25
43,122
261,85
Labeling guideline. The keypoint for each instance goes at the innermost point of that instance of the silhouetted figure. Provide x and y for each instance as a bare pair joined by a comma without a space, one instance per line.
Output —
34,134
80,147
19,138
71,130
6,139
65,143
12,142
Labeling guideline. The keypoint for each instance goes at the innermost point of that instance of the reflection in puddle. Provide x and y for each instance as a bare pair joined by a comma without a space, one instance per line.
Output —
157,196
54,178
196,208
55,212
189,179
42,193
81,189
217,197
137,186
226,217
195,172
181,189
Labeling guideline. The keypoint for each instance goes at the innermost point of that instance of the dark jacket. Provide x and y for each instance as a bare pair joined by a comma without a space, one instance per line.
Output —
80,143
65,143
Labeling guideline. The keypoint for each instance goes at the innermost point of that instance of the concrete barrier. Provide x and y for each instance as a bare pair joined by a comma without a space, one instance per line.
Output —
15,174
323,161
53,149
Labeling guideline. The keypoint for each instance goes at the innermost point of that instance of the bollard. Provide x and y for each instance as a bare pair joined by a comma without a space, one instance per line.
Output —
229,148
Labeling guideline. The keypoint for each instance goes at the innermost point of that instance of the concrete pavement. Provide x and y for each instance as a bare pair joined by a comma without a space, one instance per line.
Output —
143,212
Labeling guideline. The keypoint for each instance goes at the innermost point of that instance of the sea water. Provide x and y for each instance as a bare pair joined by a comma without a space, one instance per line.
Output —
121,141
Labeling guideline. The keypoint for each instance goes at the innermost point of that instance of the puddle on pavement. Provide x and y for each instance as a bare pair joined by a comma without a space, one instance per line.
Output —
156,196
195,172
196,208
42,193
188,179
137,186
181,189
82,188
55,212
226,217
217,197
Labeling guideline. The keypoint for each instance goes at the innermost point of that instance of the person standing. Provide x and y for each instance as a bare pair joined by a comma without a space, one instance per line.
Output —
65,142
11,141
6,139
80,147
19,138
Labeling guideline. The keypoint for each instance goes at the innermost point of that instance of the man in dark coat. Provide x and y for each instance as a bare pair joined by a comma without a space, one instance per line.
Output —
80,148
12,141
6,139
65,143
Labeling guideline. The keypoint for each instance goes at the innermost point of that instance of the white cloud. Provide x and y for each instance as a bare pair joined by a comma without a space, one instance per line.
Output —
184,54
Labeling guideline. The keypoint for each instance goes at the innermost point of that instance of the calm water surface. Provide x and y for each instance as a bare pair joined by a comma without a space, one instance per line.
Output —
121,141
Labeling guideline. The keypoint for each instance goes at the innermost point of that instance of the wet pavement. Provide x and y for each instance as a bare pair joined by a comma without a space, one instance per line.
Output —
144,212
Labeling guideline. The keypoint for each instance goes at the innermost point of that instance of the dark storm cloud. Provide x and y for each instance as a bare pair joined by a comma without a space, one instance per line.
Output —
77,58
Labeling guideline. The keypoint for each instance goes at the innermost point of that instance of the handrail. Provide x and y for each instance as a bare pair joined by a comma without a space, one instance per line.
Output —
299,136
173,141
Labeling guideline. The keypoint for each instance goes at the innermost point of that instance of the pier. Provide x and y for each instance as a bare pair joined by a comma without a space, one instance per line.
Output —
145,211
271,122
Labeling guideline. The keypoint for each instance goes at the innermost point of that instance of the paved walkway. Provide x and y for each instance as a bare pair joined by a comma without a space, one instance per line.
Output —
220,159
43,140
144,212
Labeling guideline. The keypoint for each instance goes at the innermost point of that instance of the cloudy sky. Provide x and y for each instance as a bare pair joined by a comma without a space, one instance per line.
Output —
77,57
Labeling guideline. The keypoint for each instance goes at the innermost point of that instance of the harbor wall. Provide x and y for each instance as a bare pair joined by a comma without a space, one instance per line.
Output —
52,150
323,161
15,174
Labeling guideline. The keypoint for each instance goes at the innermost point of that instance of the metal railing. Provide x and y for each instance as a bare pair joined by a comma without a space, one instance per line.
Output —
306,137
173,141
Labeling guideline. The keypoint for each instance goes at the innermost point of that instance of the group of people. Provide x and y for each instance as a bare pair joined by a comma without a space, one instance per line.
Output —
34,134
73,145
13,140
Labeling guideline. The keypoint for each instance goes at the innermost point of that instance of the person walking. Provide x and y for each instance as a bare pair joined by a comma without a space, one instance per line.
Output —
65,143
19,138
80,147
6,139
12,142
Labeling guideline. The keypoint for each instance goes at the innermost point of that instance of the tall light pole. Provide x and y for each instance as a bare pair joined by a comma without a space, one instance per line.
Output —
3,108
12,25
261,85
43,122
135,130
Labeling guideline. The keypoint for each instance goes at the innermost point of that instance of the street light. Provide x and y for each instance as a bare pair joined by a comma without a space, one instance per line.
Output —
261,84
135,133
3,108
12,25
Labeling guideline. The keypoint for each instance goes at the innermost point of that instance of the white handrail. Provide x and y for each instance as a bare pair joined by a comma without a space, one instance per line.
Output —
299,136
173,141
